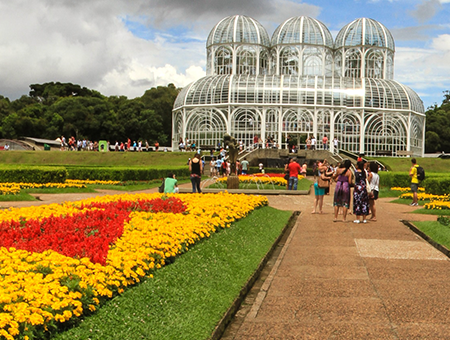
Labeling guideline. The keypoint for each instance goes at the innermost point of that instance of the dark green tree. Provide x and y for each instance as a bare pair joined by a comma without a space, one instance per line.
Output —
438,127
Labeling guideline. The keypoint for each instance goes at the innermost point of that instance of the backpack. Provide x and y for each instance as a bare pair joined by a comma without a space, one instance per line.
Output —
420,173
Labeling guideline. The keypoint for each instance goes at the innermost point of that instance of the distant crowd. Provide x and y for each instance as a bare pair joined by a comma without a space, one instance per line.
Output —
72,144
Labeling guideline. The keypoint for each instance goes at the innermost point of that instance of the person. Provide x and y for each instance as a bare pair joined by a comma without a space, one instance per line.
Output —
360,196
244,166
218,166
304,168
325,142
335,144
212,167
261,167
195,167
319,192
313,143
156,146
374,186
343,176
414,182
170,184
223,168
294,168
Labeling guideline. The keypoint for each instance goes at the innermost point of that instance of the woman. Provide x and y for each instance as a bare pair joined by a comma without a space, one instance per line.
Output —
195,167
360,196
320,192
374,186
343,176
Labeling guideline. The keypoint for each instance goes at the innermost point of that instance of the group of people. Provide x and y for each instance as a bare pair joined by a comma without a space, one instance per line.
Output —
72,144
364,180
220,166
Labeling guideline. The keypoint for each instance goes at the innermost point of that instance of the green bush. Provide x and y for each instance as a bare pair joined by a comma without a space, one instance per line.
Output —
123,174
33,174
437,185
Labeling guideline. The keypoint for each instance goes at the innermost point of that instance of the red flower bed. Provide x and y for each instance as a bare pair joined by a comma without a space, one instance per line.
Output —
85,234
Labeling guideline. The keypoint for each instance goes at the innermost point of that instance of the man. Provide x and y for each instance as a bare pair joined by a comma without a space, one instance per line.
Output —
294,168
325,142
244,166
414,182
335,143
170,184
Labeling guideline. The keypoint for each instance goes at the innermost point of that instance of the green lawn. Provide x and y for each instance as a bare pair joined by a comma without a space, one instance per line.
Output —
187,299
436,231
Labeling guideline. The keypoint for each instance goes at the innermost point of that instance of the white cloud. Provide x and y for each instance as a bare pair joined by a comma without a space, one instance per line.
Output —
424,69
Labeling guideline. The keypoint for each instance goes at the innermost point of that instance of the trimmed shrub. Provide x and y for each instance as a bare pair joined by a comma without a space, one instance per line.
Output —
123,174
33,174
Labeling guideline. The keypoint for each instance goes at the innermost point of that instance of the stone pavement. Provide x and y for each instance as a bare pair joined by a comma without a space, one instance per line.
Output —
342,280
349,281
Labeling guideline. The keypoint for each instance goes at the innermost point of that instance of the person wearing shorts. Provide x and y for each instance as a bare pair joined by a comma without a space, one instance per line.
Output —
414,182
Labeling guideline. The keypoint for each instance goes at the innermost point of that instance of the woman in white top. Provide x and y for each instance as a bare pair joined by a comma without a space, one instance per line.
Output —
212,167
374,181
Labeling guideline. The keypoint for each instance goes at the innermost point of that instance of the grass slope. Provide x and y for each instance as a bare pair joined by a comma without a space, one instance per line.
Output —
88,158
186,299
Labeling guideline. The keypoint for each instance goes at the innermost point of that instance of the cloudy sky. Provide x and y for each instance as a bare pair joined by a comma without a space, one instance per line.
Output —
122,47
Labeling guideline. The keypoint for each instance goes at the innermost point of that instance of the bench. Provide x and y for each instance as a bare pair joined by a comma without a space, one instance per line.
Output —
404,153
383,152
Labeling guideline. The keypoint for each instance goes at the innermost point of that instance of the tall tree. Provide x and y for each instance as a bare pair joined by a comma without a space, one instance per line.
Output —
438,127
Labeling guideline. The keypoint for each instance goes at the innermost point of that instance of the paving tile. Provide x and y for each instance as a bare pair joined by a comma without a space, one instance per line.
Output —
322,272
311,288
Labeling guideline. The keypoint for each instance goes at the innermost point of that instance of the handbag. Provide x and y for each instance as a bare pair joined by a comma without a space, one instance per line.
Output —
368,188
323,181
161,187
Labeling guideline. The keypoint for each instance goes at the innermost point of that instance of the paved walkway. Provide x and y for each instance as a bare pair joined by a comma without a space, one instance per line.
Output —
350,281
343,280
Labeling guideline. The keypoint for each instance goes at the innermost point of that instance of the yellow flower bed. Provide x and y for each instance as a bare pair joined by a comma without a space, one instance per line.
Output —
87,181
278,180
44,289
405,189
14,188
425,197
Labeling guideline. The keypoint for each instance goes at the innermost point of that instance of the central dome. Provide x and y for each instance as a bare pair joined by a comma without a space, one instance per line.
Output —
302,30
238,29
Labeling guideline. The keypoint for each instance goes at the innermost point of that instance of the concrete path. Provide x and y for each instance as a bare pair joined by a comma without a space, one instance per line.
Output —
342,280
349,281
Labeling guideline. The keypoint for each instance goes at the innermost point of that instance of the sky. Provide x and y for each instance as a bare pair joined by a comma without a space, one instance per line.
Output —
122,47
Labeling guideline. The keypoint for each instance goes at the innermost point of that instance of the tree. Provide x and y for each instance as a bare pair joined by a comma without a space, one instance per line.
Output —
438,126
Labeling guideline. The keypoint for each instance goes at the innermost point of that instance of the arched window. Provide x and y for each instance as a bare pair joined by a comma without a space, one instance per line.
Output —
353,64
312,62
223,61
289,61
264,63
390,67
374,64
246,61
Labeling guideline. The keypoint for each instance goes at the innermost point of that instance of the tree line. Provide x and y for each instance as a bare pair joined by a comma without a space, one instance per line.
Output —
52,110
59,109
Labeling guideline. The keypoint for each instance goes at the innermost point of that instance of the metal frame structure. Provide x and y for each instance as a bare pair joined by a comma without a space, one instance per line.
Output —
301,82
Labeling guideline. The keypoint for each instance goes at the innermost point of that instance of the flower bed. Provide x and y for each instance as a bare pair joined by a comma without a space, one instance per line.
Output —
276,179
60,261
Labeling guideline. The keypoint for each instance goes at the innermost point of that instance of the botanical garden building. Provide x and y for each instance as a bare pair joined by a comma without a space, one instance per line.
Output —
301,83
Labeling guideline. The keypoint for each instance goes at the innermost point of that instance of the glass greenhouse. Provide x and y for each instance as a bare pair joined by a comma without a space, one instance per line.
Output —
301,83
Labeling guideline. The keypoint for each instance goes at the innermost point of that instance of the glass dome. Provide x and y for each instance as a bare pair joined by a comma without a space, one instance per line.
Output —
302,30
238,29
365,32
300,90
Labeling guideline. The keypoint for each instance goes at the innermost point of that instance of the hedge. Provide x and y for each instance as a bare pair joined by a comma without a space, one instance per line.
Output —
33,174
123,174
